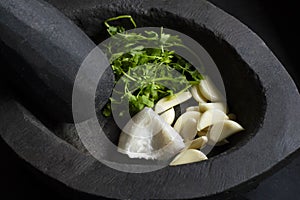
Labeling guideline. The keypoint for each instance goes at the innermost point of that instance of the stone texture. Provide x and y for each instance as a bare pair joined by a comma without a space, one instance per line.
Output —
45,50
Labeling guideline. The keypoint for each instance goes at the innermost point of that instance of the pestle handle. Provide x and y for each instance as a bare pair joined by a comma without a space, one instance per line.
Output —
45,50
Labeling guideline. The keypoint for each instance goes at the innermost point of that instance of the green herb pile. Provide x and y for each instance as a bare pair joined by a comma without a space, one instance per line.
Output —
145,75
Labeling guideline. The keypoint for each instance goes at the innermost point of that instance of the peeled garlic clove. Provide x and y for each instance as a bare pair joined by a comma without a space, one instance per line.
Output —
209,90
203,132
222,130
232,116
148,136
188,156
197,94
192,108
189,129
183,119
197,143
168,116
221,143
209,106
211,117
168,102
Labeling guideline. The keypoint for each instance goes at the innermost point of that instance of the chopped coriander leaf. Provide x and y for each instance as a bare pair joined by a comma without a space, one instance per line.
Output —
146,74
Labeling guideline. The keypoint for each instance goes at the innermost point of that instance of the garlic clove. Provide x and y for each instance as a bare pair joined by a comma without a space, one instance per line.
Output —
189,129
183,119
221,143
211,117
188,156
209,90
232,116
192,108
195,90
168,102
197,143
223,130
168,116
203,132
209,106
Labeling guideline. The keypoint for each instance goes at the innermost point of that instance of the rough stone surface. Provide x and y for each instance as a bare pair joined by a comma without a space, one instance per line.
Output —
258,89
45,50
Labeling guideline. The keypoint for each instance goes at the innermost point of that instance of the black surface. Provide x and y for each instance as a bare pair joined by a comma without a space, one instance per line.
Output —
273,21
280,184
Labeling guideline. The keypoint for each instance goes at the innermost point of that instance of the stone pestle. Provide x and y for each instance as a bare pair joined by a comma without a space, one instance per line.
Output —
44,51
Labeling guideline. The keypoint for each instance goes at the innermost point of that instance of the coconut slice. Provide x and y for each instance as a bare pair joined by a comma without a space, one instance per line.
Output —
197,143
188,156
209,106
168,116
197,94
148,136
221,130
211,117
168,102
209,90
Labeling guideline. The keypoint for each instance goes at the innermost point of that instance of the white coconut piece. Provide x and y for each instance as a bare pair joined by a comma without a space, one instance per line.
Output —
188,156
211,117
168,116
222,130
209,90
210,106
168,102
148,136
195,90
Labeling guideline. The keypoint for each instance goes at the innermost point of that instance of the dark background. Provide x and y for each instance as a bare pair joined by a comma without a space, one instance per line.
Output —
276,22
